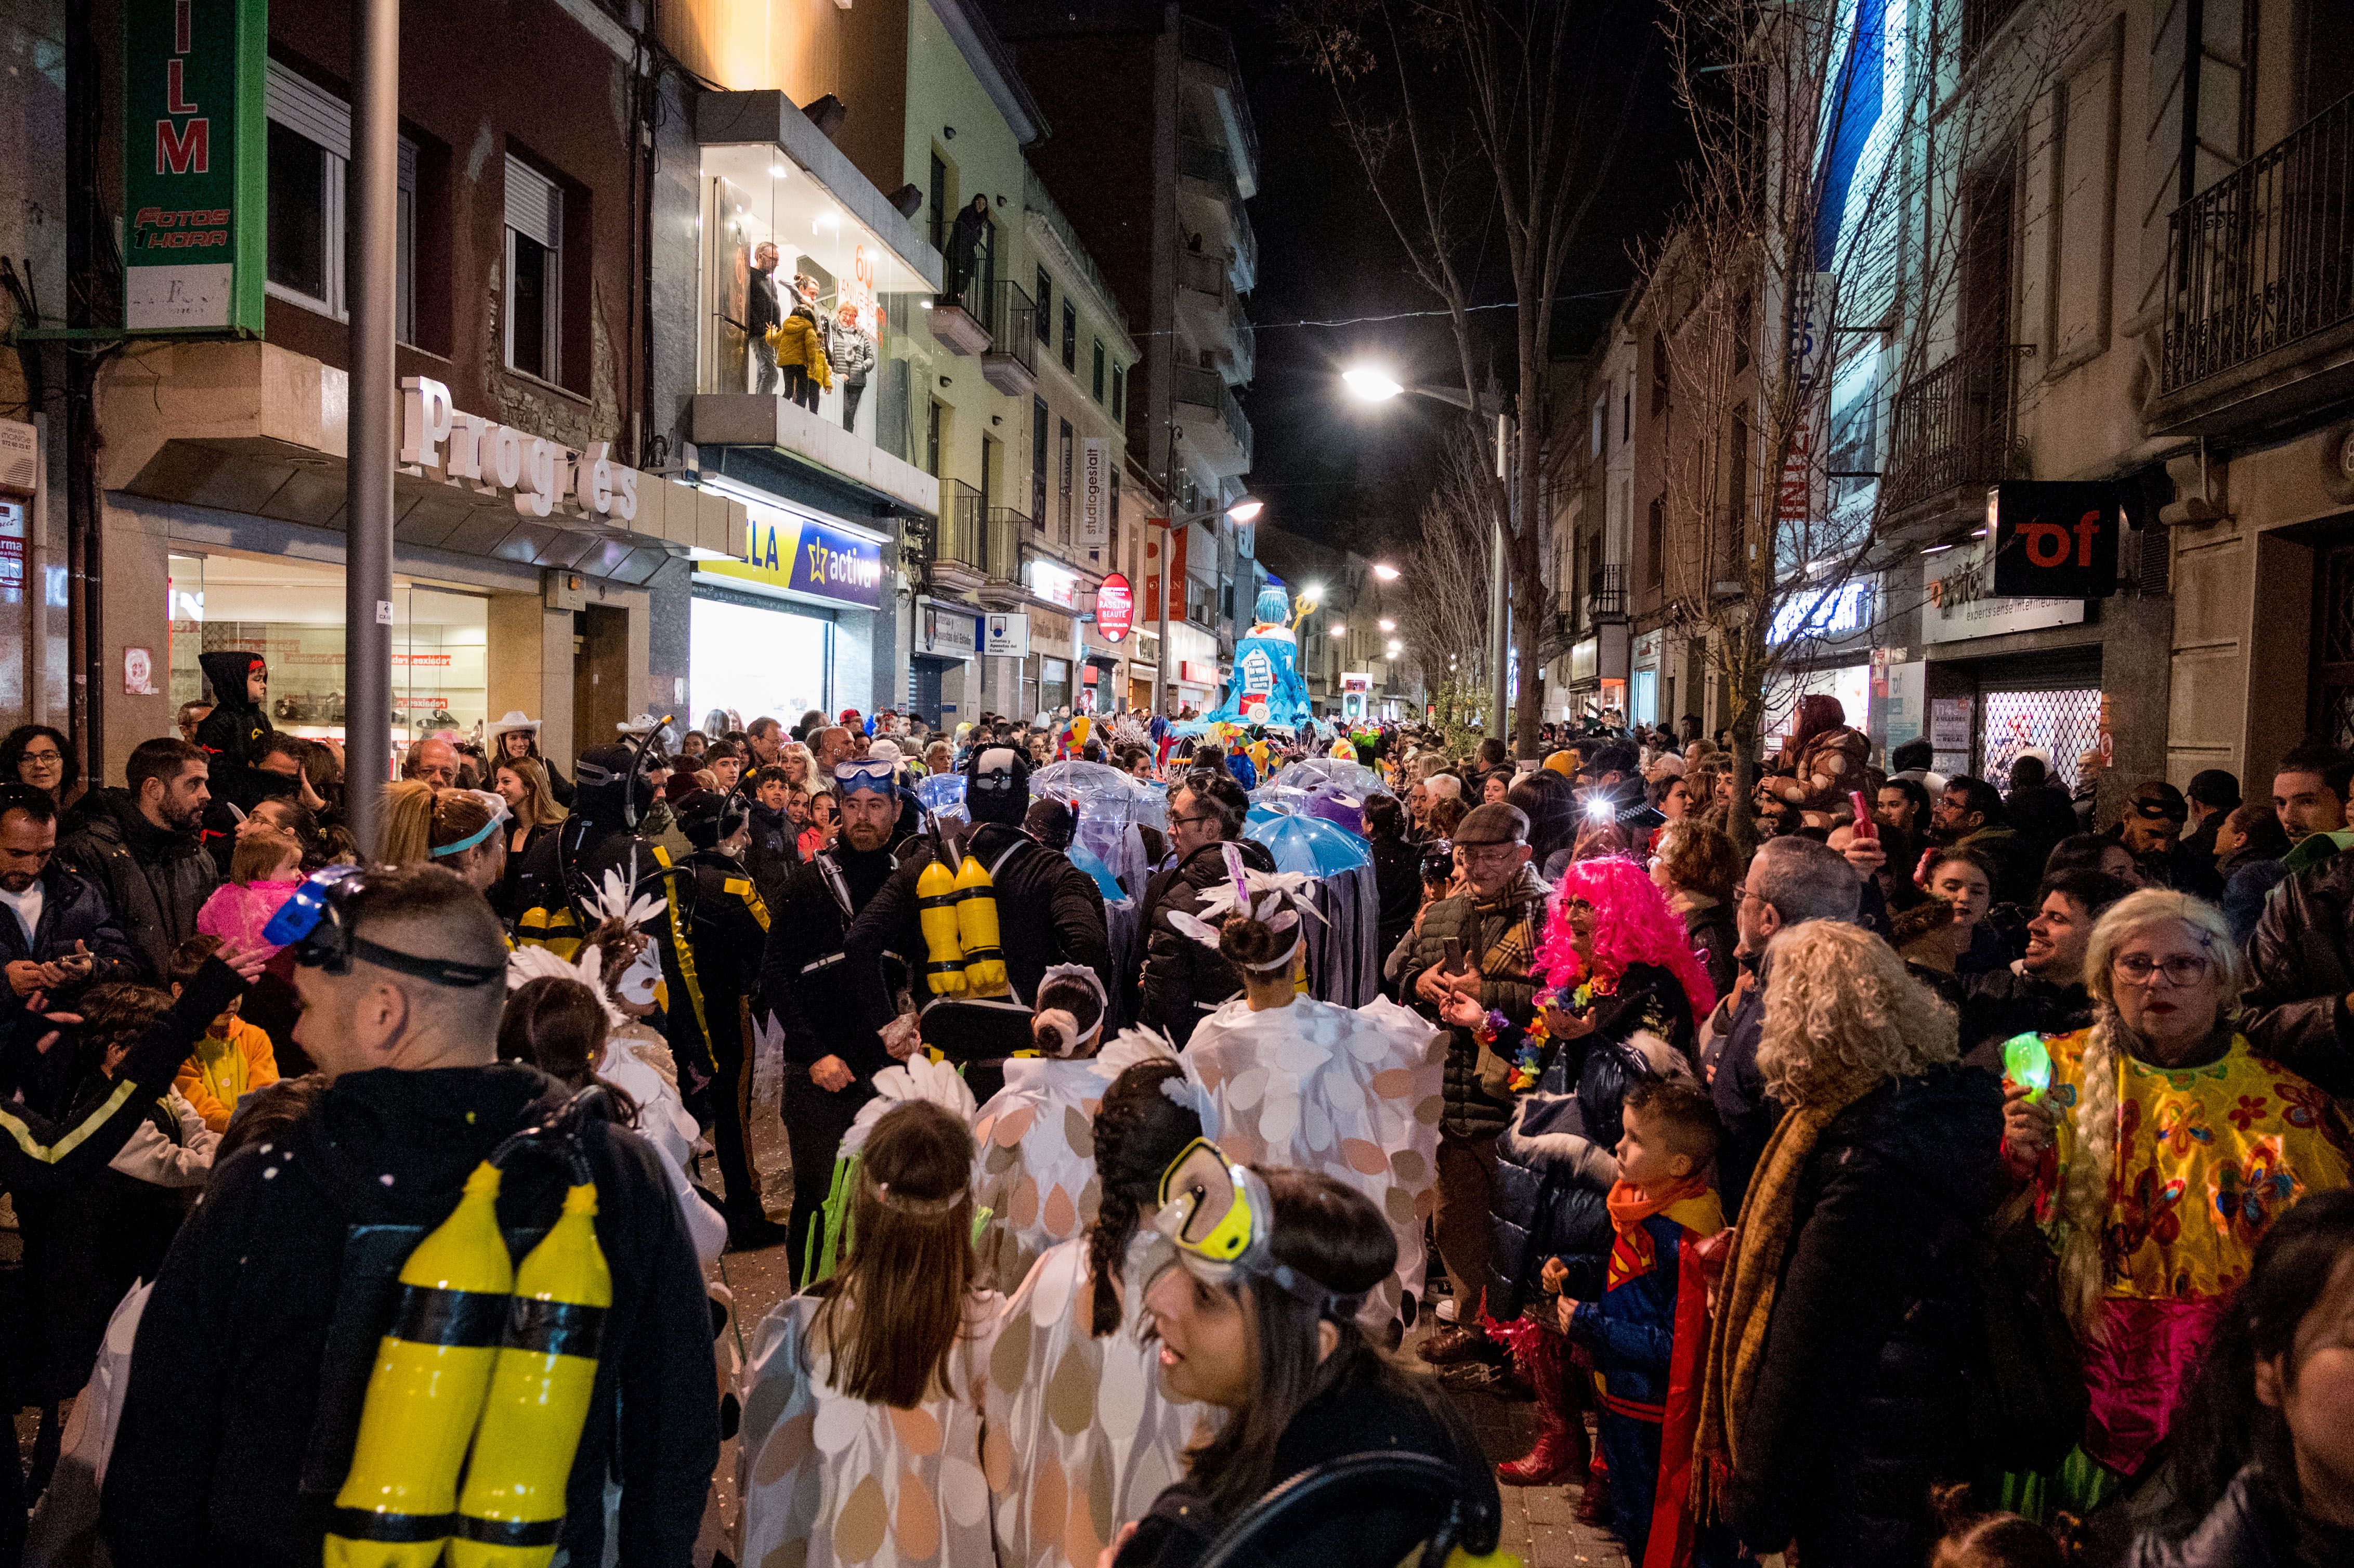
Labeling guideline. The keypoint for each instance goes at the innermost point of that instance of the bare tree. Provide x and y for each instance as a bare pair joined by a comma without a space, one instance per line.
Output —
1468,115
1819,265
1444,616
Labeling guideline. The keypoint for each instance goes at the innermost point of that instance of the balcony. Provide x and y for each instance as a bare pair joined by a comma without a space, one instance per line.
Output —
1012,362
1215,424
960,314
1953,433
1209,316
1209,63
1606,595
960,545
2260,317
1203,164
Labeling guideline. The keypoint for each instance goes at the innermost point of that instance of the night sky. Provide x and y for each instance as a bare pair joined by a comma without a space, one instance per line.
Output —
1347,474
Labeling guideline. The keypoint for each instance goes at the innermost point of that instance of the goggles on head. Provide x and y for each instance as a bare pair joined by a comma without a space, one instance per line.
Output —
497,805
1217,1214
870,776
317,922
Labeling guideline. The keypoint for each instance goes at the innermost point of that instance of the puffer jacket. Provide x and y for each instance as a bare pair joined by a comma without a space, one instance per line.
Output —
1184,979
798,344
2300,969
2252,1526
1477,1102
154,881
1555,1161
1862,1399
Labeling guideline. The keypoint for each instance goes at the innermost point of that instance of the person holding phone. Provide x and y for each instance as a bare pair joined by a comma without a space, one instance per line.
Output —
1479,945
57,937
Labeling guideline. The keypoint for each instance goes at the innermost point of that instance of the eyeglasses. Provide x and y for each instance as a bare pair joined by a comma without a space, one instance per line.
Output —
2183,970
1486,854
40,757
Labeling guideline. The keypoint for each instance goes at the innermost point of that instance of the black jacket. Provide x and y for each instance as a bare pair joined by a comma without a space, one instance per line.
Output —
1711,936
1555,1162
1184,980
1397,883
1748,1114
2300,968
803,977
225,1406
2008,1001
1048,912
154,881
2253,1526
234,732
1357,1415
72,910
1861,1398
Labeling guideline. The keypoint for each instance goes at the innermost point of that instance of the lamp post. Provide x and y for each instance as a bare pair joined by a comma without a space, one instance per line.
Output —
1242,511
1370,384
368,557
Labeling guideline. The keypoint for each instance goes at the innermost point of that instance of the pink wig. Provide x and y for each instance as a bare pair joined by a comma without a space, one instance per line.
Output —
1633,923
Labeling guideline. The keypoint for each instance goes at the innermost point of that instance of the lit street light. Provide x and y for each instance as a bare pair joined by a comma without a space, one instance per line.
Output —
1386,624
1337,629
1249,507
1242,511
1386,572
1372,385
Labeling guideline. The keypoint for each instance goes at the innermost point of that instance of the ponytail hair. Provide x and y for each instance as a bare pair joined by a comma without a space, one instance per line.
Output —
420,818
1139,1131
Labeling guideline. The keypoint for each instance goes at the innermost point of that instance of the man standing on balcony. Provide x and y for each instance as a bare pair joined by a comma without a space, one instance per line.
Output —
965,241
761,311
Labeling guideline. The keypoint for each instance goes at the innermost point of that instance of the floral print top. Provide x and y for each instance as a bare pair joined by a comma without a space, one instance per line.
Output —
2207,1158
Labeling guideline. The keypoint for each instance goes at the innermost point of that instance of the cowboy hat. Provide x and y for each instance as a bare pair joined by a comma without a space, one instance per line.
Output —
514,718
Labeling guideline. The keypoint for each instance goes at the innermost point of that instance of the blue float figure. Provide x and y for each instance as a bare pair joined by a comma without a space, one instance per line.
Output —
1266,688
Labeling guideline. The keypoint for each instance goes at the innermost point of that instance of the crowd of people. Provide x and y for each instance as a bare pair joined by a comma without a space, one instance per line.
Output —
1885,1167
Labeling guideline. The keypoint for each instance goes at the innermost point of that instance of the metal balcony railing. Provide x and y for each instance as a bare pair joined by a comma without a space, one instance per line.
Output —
2263,257
1013,330
1202,272
963,534
1207,389
1215,47
1008,526
1605,594
970,295
1198,160
1953,426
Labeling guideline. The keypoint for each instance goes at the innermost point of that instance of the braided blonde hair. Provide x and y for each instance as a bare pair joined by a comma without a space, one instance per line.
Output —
2086,1191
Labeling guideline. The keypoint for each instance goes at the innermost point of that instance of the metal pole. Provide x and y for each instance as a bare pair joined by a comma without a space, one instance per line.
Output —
1500,640
369,256
1160,670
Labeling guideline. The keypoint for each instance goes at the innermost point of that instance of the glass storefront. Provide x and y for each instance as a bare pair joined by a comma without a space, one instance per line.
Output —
1054,685
748,661
291,613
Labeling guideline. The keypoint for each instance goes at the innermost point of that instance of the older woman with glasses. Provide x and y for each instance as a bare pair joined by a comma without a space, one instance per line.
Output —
40,758
2160,1148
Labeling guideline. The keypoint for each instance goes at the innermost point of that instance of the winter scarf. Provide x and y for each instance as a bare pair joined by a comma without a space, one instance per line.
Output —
1745,1308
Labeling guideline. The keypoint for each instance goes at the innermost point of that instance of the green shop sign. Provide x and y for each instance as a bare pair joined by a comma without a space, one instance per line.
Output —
195,163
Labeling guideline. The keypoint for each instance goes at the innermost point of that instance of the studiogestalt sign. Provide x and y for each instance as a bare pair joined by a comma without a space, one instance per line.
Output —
194,165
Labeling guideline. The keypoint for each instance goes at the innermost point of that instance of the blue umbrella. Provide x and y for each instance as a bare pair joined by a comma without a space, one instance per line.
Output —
1307,843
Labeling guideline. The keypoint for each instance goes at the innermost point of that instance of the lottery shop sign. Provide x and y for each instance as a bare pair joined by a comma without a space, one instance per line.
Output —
195,163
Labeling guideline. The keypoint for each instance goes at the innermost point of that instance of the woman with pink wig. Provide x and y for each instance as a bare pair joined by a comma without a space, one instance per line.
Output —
1623,994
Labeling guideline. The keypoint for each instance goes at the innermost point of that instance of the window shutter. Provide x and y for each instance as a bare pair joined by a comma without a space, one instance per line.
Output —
535,205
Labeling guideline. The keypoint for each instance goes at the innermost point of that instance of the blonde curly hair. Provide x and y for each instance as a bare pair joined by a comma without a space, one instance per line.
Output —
1842,1013
2085,1195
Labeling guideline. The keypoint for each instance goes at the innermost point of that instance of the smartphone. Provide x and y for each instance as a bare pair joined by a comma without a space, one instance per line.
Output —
1453,963
1865,828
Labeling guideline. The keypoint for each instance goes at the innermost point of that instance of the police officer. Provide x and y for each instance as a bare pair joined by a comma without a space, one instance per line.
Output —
727,928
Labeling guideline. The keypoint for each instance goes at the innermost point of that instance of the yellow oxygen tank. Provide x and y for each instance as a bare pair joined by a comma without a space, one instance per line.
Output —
936,910
426,1393
512,1505
976,914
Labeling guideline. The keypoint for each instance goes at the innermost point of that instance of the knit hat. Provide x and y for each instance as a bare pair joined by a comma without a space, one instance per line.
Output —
2214,788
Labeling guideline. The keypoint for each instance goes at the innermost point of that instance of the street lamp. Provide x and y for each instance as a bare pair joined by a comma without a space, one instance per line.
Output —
1386,624
1245,510
1386,572
1337,629
1372,384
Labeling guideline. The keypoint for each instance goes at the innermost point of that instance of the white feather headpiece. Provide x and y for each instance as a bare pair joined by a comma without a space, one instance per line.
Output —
527,964
920,1078
1274,898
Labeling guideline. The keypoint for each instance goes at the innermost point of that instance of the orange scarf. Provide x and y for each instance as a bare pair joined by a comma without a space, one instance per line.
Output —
1630,1205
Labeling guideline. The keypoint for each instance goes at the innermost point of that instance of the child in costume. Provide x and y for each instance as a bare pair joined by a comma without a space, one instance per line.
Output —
234,1058
1648,1333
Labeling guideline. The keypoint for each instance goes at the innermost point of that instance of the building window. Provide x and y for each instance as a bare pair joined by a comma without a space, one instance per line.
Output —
1045,318
1100,370
1120,392
1070,338
932,438
534,313
1658,375
1626,412
310,147
1658,542
1038,464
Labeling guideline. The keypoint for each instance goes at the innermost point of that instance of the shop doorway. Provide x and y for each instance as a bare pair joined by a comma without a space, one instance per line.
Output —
924,694
600,674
